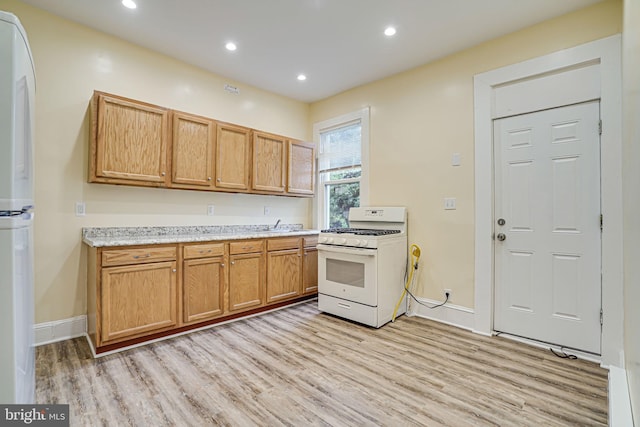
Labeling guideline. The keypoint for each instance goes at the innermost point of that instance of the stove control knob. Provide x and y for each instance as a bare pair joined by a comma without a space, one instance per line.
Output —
329,240
364,243
341,241
322,240
353,242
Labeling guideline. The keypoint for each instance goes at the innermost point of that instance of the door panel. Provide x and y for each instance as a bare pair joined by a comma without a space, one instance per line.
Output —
547,189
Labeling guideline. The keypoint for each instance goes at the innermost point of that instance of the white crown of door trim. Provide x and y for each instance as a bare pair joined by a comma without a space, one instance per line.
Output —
607,52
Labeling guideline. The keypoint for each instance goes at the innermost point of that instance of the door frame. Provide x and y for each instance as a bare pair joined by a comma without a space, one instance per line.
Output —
607,53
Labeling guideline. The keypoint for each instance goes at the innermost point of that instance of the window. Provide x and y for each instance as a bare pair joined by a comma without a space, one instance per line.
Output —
342,167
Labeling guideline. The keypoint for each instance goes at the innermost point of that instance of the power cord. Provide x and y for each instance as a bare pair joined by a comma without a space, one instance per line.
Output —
562,354
415,267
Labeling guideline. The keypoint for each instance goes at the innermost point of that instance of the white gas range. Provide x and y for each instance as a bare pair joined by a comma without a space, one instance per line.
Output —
361,269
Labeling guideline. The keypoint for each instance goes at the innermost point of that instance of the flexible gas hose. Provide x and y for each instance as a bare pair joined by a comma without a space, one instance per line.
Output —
414,250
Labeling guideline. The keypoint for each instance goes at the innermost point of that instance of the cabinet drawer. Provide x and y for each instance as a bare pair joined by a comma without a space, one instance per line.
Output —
245,247
202,251
137,256
283,243
310,241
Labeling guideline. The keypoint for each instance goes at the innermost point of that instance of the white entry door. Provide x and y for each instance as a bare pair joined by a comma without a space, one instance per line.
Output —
547,250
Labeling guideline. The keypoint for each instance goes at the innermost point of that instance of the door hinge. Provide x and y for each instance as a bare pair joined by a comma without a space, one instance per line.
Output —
600,127
601,221
601,321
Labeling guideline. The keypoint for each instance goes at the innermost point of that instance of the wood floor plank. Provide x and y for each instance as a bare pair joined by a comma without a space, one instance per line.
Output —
297,366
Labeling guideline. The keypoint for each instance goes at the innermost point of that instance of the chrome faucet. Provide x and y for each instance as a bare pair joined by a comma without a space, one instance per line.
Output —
277,223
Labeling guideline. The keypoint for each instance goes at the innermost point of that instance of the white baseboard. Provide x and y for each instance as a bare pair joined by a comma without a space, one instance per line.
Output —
619,399
451,314
60,330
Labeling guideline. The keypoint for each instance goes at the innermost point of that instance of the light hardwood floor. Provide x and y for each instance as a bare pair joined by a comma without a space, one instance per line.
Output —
300,367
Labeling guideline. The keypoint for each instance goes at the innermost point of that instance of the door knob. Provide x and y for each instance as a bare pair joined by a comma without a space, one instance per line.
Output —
501,237
501,221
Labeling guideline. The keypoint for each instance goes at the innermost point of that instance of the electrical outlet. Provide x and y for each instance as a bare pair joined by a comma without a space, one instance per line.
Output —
448,291
80,209
267,210
210,210
449,203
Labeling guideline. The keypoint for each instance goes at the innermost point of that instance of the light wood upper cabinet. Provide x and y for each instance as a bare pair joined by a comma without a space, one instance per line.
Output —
129,142
233,154
269,162
135,143
192,146
301,163
137,299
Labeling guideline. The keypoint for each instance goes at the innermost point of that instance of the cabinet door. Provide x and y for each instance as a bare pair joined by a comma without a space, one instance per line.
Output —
246,281
129,143
203,289
284,269
310,271
137,299
269,162
301,164
233,149
193,139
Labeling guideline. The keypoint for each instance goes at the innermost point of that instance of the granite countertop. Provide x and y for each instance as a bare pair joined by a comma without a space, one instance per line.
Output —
129,236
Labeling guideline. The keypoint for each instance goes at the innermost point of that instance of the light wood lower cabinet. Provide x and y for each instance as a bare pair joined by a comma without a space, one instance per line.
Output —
284,269
203,282
137,299
310,271
142,292
246,275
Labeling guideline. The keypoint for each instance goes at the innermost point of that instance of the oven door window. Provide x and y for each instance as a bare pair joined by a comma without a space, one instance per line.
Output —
349,275
346,272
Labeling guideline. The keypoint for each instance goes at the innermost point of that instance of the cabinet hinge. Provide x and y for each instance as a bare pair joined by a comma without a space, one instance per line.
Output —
600,127
601,321
601,221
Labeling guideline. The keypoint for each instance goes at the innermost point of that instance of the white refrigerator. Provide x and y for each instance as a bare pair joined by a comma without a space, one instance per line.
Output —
17,96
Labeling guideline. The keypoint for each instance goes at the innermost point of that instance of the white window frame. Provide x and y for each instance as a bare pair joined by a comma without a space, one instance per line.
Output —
320,202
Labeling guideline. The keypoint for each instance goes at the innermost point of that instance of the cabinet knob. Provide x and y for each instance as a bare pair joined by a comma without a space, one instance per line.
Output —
163,174
233,263
209,179
222,265
218,179
174,270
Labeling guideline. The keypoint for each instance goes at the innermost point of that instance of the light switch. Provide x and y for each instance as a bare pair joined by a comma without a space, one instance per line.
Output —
449,203
80,209
267,210
210,210
455,159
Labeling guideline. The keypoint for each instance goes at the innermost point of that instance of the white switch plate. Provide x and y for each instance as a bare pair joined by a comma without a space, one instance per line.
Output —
455,159
267,210
81,209
210,210
449,203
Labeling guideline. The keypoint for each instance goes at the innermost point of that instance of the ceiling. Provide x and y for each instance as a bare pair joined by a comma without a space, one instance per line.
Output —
337,44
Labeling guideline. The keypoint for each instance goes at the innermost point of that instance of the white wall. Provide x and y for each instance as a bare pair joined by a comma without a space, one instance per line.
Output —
419,118
71,61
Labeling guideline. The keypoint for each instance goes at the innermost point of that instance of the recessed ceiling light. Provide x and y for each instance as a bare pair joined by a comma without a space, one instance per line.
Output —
302,77
389,31
129,4
231,46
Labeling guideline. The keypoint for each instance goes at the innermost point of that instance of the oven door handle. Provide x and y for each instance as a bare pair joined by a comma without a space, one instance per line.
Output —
343,250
